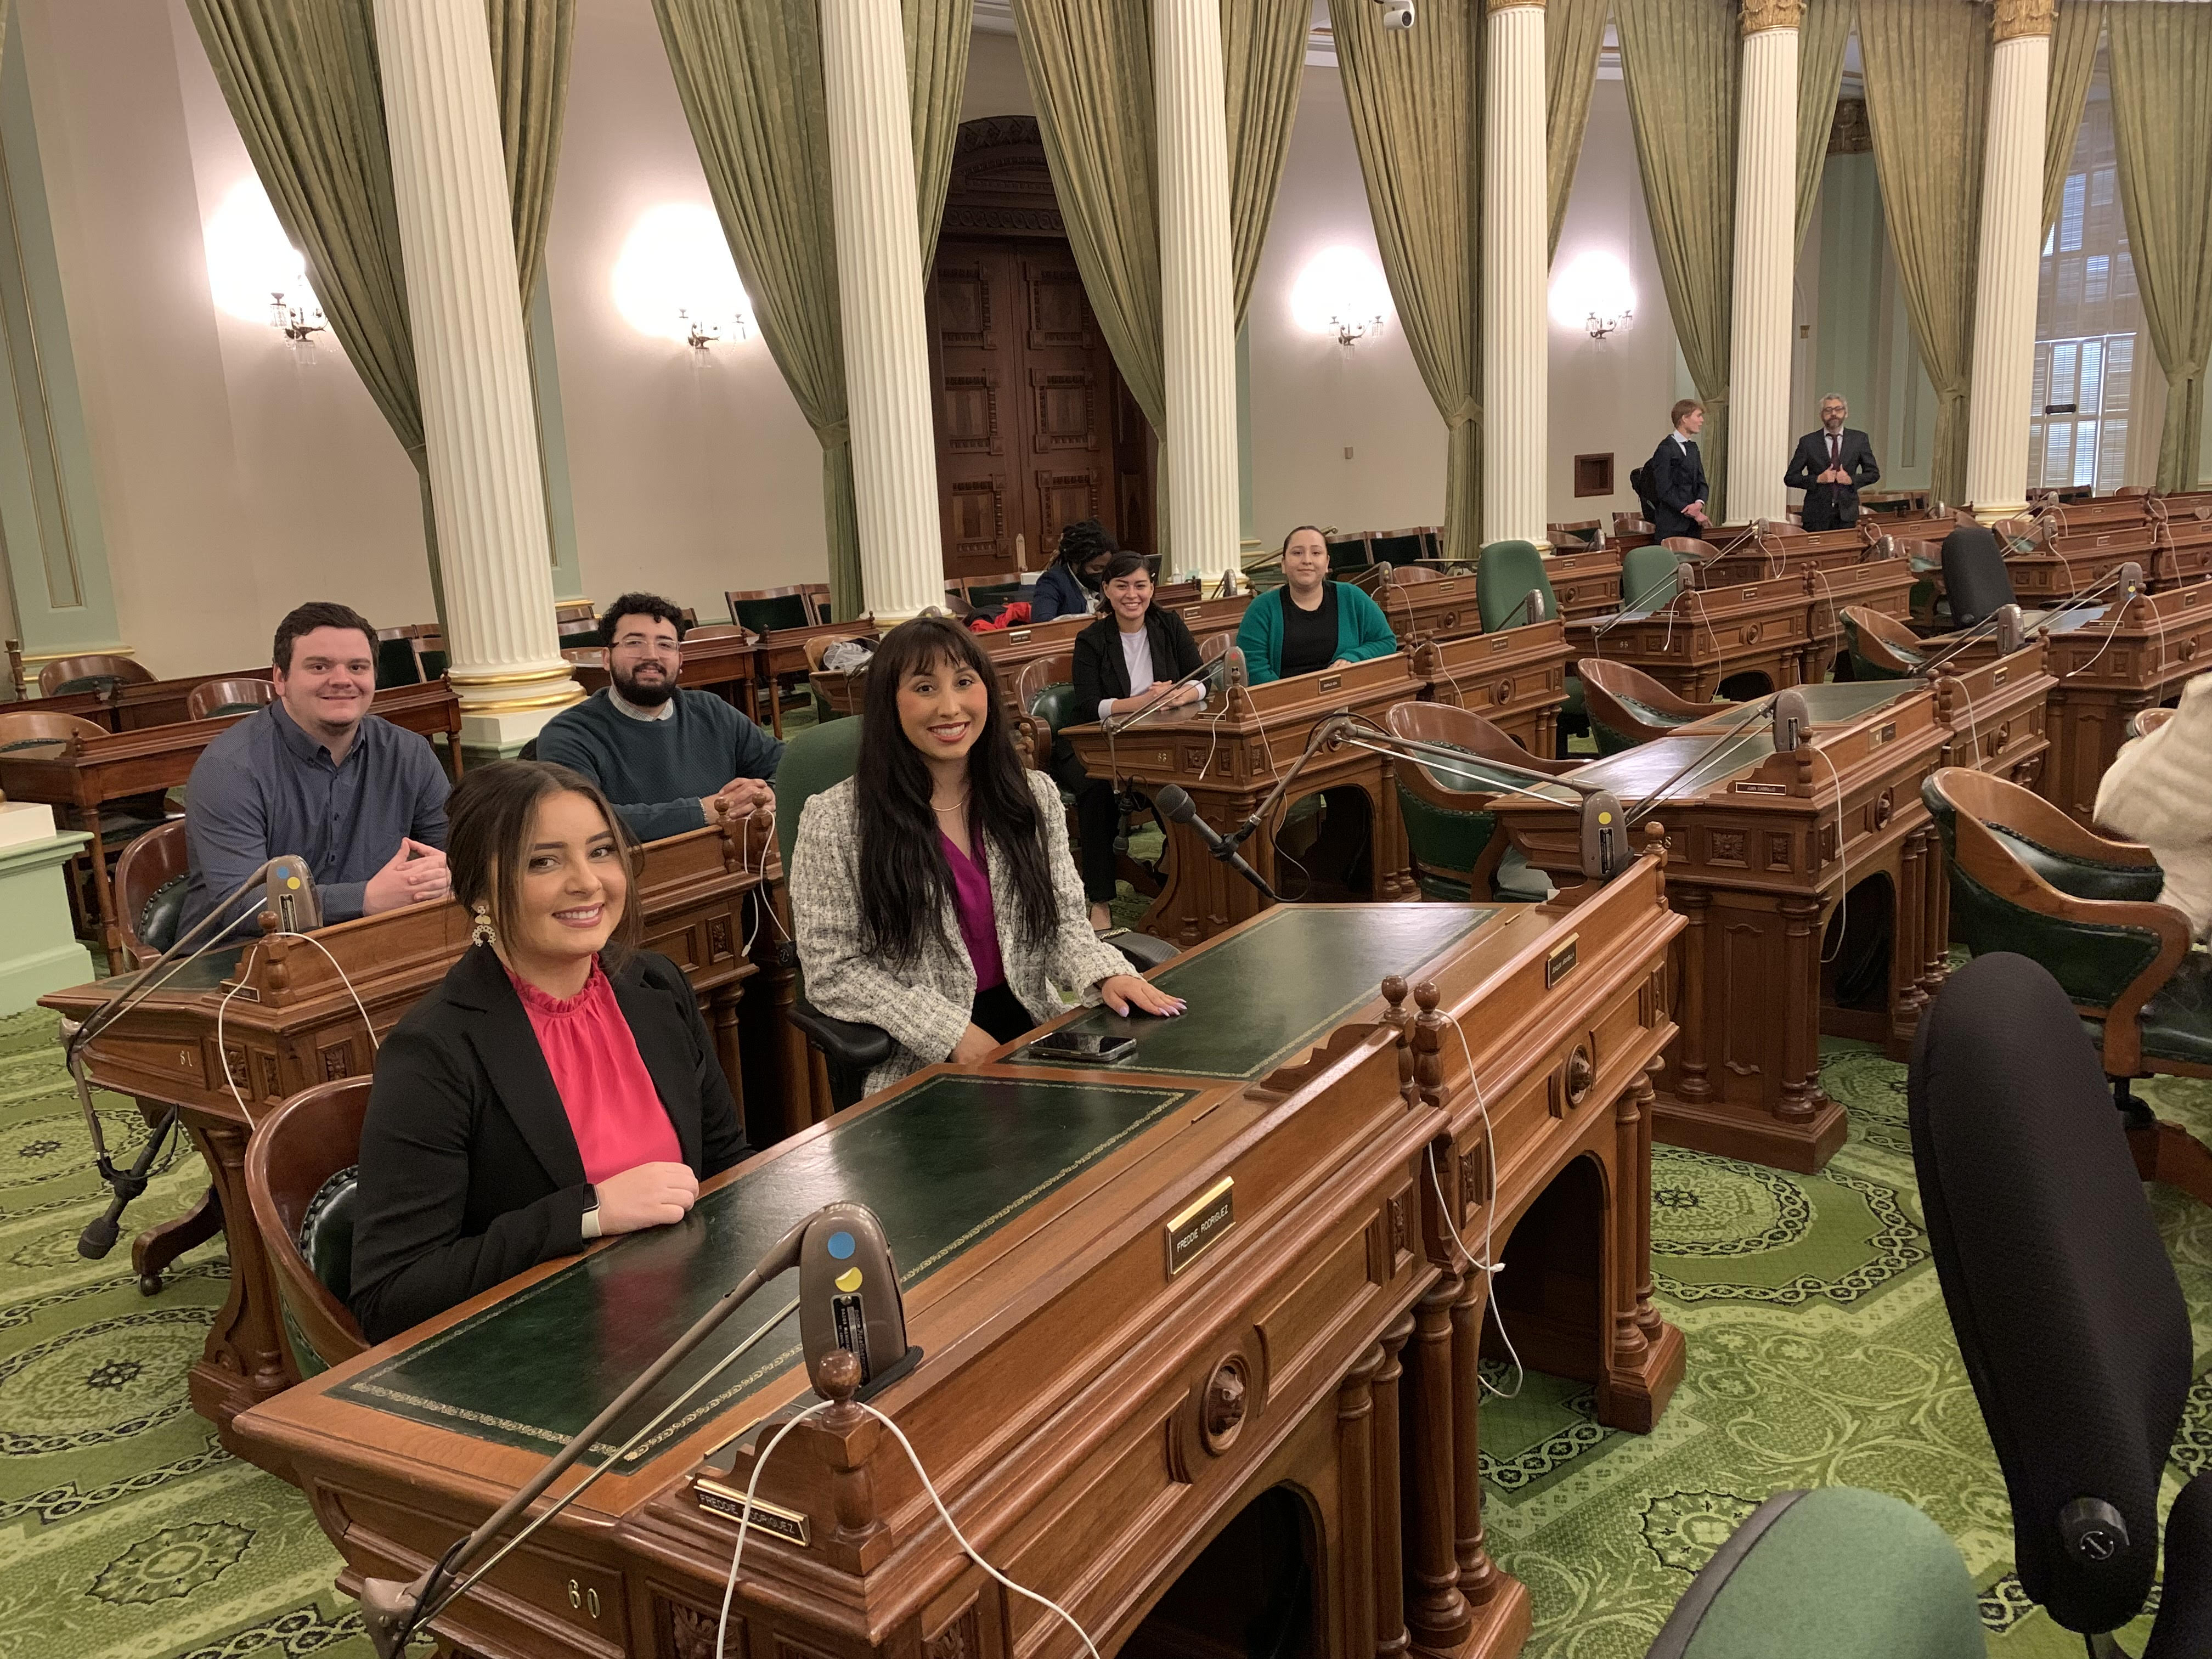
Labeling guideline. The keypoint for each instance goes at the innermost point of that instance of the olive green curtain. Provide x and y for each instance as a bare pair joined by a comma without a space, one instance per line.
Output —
1416,101
749,76
1263,54
1573,31
2161,64
300,79
1680,60
1927,85
1089,69
1822,36
2074,36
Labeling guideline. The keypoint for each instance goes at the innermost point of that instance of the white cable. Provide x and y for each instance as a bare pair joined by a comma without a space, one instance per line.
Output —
744,1522
1487,1262
374,1047
1844,904
223,1053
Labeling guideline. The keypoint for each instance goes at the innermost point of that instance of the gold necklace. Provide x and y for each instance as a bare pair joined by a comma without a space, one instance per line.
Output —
957,804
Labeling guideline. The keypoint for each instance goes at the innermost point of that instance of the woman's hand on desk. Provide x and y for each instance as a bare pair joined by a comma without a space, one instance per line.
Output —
649,1195
1126,992
974,1043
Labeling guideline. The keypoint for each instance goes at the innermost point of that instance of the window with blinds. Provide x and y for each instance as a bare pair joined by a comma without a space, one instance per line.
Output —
2088,322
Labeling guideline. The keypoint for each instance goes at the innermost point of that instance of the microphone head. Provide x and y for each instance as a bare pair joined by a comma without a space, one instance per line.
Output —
99,1237
1174,803
848,1295
292,899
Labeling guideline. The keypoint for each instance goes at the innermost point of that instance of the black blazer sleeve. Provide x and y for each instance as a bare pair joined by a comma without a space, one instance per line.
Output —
412,1258
721,1131
1859,461
1100,671
1805,464
1180,656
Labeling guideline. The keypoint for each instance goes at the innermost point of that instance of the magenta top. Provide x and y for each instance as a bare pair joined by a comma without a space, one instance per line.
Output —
979,927
614,1110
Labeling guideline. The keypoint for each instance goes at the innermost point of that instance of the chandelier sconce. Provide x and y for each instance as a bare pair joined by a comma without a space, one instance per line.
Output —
699,334
1346,332
299,324
1600,326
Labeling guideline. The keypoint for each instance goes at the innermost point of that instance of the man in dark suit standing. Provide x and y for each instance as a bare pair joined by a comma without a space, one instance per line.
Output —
1832,466
1674,477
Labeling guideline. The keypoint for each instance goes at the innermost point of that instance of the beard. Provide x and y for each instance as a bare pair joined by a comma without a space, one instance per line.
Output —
649,694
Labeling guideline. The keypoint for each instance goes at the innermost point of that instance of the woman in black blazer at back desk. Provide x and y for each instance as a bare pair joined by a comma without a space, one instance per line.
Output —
558,1087
1124,661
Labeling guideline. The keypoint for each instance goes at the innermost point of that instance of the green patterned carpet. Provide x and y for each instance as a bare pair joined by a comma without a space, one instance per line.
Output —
1819,1353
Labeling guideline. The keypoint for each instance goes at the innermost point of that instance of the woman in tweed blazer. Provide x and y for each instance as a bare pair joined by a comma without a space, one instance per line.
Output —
933,893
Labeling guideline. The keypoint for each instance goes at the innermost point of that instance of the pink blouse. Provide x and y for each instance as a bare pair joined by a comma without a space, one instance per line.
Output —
971,899
614,1110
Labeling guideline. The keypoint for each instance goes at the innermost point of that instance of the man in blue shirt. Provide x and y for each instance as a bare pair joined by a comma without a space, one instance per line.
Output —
670,760
316,774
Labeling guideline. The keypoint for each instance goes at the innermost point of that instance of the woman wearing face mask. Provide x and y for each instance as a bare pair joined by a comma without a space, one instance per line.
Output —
1128,659
1069,585
932,893
1310,623
556,1086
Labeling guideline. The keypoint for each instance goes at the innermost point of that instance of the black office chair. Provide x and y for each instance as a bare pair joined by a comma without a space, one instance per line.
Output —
1975,579
2068,1313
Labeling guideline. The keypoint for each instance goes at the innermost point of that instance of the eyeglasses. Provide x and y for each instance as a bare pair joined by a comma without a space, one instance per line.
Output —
650,644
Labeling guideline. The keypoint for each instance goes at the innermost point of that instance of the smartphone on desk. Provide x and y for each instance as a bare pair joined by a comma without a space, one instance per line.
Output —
1090,1047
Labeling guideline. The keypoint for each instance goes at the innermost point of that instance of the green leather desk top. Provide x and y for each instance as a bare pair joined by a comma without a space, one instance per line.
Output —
1634,774
207,974
944,1165
1268,991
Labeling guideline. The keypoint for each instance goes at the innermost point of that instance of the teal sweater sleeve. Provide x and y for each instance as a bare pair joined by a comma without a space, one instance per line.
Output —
1362,632
1260,636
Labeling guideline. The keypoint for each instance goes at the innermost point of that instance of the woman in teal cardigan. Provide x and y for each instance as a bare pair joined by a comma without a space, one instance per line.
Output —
1311,622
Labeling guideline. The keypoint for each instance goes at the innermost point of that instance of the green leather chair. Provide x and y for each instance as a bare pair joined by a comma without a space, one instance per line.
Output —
1626,707
1836,1573
301,1176
1649,578
1506,574
150,880
2026,878
1460,852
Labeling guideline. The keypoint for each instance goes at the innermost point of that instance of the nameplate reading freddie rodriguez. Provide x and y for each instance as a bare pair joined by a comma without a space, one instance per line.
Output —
1209,1216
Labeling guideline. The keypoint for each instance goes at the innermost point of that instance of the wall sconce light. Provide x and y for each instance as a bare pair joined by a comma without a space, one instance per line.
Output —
675,279
1594,293
253,273
1340,293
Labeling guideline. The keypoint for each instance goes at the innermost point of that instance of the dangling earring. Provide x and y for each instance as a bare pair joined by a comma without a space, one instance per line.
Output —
482,933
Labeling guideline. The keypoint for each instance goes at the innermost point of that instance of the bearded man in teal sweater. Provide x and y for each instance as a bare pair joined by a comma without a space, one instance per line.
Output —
670,760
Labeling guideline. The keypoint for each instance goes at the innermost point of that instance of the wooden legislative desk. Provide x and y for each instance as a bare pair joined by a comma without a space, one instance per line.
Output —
2110,663
1515,678
1995,710
1095,1407
128,707
1585,583
1710,635
1013,649
1756,868
1205,616
1229,760
780,656
88,773
294,1023
1421,611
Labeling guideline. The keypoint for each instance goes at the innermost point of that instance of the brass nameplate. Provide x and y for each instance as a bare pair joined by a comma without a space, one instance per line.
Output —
1881,735
1331,683
1017,634
2001,675
1743,788
729,1501
1561,961
1211,1215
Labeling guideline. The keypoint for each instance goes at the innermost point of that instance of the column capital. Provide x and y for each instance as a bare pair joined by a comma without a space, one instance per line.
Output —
1760,16
2016,18
1489,6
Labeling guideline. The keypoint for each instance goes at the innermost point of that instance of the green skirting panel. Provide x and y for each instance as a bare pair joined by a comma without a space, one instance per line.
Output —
39,948
944,1165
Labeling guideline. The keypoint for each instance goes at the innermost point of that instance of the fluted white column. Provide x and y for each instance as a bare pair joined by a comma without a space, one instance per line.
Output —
878,234
1198,301
1515,254
1758,437
457,244
2005,280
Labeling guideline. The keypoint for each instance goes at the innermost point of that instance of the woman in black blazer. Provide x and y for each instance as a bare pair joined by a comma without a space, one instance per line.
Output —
558,1087
1133,632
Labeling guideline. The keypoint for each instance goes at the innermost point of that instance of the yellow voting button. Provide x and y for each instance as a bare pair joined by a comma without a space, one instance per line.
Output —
849,1279
1605,818
291,881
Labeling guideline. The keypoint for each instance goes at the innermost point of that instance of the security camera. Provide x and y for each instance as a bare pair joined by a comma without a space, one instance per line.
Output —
1397,14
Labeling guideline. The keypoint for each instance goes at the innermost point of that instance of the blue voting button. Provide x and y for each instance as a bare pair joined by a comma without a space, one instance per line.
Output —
841,1246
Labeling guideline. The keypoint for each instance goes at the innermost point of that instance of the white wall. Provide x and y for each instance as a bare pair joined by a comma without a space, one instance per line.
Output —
691,474
1609,396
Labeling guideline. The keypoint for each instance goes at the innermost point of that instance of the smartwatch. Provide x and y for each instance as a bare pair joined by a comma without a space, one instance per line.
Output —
591,1219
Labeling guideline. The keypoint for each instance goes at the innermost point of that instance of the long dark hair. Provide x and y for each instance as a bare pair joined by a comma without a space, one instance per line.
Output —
487,838
904,878
1082,542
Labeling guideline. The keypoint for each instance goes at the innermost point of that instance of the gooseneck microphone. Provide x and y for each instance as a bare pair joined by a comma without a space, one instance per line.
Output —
1175,803
848,1301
